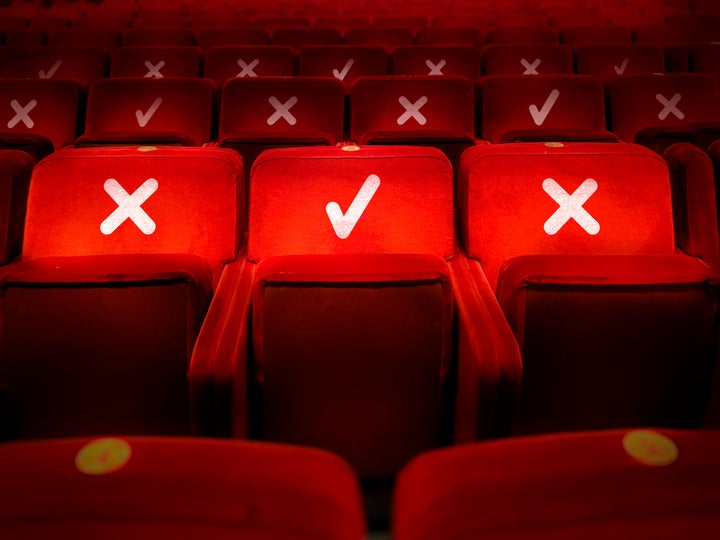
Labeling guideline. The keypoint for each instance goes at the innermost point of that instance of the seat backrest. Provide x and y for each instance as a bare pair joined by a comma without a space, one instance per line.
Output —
448,35
156,62
527,59
103,38
351,200
705,59
562,103
672,99
214,37
387,37
114,201
182,107
614,60
522,34
437,61
297,38
282,108
256,490
343,62
553,198
46,107
594,34
161,37
413,107
81,64
15,169
223,63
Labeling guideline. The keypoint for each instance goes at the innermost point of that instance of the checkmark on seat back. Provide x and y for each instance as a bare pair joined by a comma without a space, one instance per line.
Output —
340,75
144,117
539,115
50,72
343,224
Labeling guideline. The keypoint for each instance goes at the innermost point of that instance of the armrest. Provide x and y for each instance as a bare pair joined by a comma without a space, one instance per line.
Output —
489,363
218,365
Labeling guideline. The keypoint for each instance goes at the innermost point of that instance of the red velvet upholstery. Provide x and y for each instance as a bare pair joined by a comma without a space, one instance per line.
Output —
499,33
222,37
580,485
542,108
527,59
589,276
156,62
149,111
15,169
343,62
46,108
117,286
223,63
608,61
178,488
297,38
81,64
437,61
387,37
585,34
467,35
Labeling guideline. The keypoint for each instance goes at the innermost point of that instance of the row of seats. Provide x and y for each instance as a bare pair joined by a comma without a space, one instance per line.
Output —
340,311
621,484
388,37
261,112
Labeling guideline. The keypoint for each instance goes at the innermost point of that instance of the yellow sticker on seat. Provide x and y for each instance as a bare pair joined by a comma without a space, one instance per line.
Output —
103,456
650,448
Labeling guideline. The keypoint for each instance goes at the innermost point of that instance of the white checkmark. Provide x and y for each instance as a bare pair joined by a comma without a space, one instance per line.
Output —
539,116
620,70
345,223
50,72
143,119
340,75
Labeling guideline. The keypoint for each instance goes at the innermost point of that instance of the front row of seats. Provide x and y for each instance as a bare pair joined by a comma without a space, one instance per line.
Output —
340,311
622,484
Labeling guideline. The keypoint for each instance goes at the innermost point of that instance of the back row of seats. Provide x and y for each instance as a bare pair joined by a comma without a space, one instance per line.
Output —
559,486
348,316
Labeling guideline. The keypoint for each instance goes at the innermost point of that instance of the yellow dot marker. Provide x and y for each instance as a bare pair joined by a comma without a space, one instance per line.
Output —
554,144
350,147
103,456
147,148
650,448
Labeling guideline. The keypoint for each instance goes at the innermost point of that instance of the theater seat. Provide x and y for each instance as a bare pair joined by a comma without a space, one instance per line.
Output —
616,326
621,484
341,330
83,64
156,62
15,169
437,61
609,61
342,62
223,63
182,488
122,250
527,59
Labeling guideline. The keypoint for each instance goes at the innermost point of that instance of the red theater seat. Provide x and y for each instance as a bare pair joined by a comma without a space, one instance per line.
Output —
355,297
609,61
594,34
78,63
297,38
522,34
527,59
178,488
578,242
15,169
122,251
261,113
614,484
383,36
542,108
103,38
343,62
160,37
175,111
437,61
223,63
440,35
36,112
414,110
156,62
215,37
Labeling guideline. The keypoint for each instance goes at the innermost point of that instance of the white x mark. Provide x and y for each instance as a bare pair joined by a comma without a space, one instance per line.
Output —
571,206
282,110
22,114
129,206
669,106
247,70
530,69
435,69
412,110
154,69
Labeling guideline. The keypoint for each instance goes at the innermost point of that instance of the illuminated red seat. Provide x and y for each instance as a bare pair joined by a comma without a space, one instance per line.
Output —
343,62
156,62
78,63
347,343
122,250
542,108
182,488
261,113
609,61
527,59
578,242
15,169
657,110
620,484
39,111
149,111
429,111
437,61
223,63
